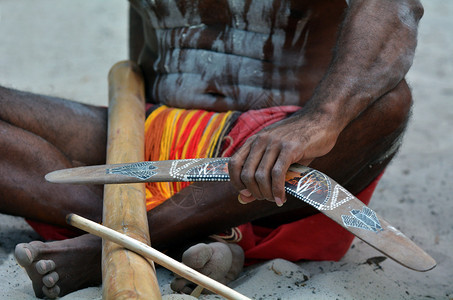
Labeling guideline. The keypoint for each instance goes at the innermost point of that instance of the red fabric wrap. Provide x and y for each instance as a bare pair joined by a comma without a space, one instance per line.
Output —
252,121
52,232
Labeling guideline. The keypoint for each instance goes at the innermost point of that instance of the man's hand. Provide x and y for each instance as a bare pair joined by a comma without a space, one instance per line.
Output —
258,168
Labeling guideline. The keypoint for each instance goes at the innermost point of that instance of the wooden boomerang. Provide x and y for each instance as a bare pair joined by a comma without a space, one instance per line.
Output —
306,184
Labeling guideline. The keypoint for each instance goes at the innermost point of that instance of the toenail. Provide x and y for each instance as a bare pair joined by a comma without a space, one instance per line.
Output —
23,255
28,253
44,266
50,279
41,266
51,292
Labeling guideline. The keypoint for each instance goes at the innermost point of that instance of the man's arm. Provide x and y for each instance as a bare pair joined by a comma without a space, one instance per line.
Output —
374,51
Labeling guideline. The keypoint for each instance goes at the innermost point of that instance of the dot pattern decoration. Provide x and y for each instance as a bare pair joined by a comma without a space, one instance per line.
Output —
141,170
364,219
188,170
310,186
212,171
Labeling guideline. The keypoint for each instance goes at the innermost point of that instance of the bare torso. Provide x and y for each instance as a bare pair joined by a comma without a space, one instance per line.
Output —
236,55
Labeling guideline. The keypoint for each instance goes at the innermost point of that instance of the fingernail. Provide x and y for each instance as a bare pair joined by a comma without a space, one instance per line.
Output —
279,202
240,199
245,192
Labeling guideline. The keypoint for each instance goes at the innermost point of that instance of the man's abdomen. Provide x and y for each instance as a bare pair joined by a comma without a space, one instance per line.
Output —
248,55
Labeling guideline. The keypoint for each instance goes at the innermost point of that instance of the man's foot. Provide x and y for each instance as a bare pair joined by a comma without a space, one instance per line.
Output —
59,268
221,261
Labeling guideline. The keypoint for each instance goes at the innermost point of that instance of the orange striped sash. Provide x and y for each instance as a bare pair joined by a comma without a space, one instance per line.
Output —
173,133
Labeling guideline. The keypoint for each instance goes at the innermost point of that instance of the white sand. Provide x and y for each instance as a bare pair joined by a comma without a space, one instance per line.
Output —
65,48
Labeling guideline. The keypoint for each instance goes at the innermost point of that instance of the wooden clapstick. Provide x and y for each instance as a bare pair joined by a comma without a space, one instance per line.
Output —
125,274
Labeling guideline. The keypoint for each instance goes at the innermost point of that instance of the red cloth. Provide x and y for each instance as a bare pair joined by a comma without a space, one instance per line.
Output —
52,232
252,121
313,238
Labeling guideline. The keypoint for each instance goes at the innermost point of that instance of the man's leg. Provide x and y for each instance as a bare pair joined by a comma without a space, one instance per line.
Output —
40,134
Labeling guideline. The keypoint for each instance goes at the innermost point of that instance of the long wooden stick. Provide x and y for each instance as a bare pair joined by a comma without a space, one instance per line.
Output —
126,275
306,184
158,257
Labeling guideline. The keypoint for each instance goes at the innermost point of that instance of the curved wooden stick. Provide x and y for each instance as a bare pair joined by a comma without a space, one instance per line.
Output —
306,184
160,258
125,274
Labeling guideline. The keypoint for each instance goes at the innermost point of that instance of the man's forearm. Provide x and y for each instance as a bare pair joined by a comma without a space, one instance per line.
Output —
375,49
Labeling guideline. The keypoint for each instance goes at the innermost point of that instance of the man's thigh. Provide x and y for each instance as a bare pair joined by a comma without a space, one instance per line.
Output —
77,130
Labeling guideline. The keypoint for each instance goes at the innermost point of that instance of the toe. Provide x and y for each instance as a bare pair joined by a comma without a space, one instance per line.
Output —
45,266
24,254
197,256
52,292
188,289
182,285
51,279
220,261
237,263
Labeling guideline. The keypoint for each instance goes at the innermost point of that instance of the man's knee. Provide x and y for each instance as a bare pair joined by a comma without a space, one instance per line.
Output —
373,139
398,103
394,113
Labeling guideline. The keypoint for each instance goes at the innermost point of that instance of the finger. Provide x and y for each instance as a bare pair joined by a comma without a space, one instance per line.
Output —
249,169
279,171
245,197
263,174
245,193
245,200
236,163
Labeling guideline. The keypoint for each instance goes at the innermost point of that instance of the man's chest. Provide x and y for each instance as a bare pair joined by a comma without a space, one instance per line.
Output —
260,15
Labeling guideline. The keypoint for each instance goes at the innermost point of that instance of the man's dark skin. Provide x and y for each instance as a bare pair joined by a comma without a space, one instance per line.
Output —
344,66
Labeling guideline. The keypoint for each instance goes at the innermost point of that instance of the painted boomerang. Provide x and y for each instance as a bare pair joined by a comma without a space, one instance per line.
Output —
306,184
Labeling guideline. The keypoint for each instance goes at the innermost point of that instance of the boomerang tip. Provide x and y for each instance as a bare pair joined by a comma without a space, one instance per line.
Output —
50,177
432,265
421,262
427,264
56,177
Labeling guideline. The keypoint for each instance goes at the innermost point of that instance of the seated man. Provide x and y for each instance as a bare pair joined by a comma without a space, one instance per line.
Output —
334,70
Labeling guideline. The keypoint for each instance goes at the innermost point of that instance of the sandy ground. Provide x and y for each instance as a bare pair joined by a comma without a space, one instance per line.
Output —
65,48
